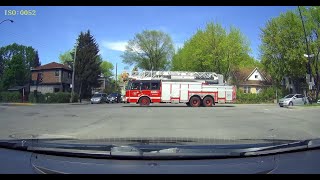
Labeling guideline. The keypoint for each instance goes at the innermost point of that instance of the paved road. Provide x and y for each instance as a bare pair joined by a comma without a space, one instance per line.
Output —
163,120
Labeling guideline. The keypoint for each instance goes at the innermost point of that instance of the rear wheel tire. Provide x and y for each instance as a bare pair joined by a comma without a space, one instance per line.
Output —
207,101
144,101
195,101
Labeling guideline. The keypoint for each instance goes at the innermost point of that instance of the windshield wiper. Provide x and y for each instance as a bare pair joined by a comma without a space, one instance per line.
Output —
282,148
140,152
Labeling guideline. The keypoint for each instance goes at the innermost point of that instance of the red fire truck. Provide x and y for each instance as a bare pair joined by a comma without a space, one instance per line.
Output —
193,88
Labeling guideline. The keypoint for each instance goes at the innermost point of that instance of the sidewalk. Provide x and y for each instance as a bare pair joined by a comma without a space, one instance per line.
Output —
32,104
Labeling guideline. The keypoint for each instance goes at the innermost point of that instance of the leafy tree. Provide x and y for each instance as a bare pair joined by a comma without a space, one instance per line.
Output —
67,58
311,17
106,68
36,62
15,64
282,48
87,64
149,50
213,49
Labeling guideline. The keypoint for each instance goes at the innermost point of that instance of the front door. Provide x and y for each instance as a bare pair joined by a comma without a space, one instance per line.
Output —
155,93
134,92
299,99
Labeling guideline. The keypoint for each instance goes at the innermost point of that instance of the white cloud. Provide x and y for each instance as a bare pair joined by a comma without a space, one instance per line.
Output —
116,45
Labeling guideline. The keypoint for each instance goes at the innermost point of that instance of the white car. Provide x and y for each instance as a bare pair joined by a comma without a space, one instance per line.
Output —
293,100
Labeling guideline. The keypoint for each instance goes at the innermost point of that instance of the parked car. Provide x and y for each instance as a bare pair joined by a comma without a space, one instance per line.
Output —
123,99
293,100
98,98
113,97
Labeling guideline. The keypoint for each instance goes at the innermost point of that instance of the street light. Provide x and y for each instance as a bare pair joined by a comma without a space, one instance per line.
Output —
7,20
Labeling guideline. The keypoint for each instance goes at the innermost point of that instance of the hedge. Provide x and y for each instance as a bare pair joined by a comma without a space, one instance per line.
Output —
10,97
60,97
267,95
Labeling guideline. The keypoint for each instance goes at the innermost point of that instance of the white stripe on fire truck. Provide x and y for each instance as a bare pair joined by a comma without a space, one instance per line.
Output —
139,97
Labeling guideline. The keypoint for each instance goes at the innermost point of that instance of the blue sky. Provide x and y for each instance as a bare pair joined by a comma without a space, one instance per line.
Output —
54,29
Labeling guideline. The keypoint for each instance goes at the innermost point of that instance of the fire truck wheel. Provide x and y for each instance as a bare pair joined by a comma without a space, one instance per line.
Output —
144,101
195,101
207,101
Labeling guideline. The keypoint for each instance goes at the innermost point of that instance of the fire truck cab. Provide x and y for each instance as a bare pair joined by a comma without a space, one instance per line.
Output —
192,91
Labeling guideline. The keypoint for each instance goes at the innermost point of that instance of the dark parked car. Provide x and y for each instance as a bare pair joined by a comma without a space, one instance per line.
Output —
114,97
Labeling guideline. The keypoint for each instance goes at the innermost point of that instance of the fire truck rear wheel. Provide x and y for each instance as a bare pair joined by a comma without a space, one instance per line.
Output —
207,101
195,101
144,101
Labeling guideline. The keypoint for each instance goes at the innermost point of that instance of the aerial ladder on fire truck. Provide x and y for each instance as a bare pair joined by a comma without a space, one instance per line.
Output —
209,77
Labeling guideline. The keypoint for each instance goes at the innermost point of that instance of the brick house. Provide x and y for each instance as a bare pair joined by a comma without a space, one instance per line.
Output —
56,77
251,80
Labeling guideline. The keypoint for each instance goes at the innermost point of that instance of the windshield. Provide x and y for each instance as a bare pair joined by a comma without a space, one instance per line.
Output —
128,86
96,95
194,75
289,96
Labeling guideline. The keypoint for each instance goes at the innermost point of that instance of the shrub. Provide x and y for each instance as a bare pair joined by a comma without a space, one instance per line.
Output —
10,97
75,97
60,97
265,96
41,98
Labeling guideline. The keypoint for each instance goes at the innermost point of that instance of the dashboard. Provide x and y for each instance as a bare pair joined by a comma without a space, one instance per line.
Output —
24,162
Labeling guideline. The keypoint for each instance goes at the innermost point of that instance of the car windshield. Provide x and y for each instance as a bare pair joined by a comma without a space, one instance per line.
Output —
96,95
289,96
195,75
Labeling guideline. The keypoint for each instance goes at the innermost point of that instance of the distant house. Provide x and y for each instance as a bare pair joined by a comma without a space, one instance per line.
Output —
55,77
251,80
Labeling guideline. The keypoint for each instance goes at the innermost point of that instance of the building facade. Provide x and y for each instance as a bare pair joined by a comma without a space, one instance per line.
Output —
53,77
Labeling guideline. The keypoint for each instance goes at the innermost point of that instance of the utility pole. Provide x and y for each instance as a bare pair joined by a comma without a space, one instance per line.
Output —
116,75
73,72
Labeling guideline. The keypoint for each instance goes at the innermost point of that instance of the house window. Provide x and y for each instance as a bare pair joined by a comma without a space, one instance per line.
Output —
40,76
246,89
256,76
56,73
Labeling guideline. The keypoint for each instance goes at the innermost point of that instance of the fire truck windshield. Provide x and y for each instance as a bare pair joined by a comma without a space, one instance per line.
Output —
128,86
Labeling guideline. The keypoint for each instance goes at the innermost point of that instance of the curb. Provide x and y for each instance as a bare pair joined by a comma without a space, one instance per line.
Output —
17,104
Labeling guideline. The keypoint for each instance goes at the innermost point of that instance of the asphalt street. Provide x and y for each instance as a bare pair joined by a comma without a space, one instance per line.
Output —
95,121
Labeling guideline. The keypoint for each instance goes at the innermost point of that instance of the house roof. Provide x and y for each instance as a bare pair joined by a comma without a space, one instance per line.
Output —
242,76
52,65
